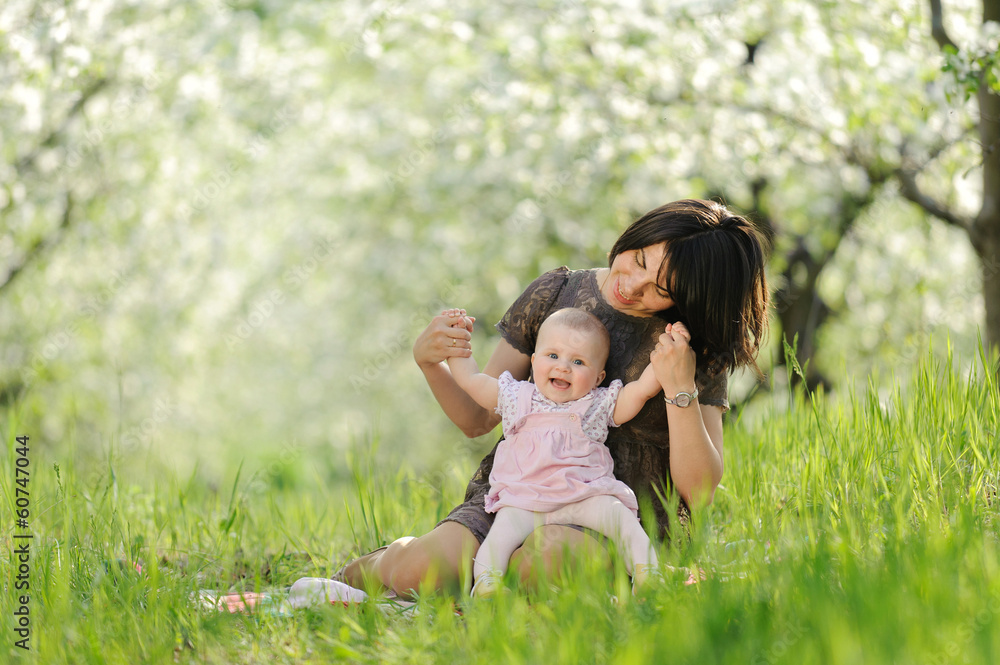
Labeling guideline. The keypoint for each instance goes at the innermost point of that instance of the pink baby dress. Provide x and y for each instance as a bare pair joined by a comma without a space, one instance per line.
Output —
553,454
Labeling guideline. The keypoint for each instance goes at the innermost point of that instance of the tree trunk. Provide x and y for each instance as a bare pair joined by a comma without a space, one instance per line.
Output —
801,311
986,230
989,254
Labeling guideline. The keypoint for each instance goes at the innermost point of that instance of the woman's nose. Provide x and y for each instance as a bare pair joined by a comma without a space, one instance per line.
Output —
633,290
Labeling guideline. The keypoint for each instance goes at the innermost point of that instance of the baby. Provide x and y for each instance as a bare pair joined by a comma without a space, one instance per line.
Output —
552,466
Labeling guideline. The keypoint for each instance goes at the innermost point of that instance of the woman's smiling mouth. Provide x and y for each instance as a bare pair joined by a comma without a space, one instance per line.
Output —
621,296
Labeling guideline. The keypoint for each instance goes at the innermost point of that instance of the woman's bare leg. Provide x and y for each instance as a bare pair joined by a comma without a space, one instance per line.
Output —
441,559
545,551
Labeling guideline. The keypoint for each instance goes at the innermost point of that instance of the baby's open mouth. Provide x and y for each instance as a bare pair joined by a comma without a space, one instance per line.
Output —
559,383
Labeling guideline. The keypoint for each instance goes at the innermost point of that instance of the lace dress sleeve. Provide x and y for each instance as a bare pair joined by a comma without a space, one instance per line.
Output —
712,387
519,325
507,400
612,400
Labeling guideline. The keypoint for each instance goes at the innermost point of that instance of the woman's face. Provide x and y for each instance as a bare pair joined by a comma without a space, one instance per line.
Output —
631,286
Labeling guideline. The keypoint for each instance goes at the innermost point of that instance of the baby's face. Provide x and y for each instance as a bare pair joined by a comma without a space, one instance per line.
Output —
567,364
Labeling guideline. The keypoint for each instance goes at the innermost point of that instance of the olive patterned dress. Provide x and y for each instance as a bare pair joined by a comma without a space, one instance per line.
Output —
640,448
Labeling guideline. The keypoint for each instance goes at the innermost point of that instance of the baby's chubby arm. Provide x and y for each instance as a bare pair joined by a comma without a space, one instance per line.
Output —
482,388
634,395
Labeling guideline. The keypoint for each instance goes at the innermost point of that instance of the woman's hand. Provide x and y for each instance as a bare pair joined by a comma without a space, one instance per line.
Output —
673,360
448,335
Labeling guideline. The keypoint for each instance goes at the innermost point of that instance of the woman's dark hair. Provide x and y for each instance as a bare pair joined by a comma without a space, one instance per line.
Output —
713,268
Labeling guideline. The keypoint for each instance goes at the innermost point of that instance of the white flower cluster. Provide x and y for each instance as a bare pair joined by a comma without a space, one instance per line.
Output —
974,65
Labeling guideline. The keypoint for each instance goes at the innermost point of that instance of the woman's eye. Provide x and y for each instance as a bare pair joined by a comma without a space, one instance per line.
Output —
637,261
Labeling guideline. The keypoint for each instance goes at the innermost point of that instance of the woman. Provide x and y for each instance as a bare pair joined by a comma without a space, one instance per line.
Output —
691,261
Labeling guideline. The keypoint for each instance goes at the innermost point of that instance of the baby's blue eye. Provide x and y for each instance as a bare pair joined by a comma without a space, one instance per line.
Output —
554,356
577,362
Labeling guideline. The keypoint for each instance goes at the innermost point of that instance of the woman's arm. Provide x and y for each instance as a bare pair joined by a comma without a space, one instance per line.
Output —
434,346
696,461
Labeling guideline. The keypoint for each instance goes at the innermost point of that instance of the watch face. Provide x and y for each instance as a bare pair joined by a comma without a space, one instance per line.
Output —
682,399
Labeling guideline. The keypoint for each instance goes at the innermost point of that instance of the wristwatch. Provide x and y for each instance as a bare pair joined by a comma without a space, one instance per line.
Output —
682,399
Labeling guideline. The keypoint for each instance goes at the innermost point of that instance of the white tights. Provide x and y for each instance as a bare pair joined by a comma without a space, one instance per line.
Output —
604,514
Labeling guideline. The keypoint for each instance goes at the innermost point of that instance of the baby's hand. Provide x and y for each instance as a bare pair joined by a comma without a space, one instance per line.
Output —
681,329
673,359
465,322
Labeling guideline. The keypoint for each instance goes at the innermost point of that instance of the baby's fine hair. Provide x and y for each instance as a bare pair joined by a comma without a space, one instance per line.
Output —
584,322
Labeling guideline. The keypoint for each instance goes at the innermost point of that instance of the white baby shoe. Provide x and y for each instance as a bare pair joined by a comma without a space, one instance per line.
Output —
488,583
318,591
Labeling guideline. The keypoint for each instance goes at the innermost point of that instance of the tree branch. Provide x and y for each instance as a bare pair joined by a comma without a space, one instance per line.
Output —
28,160
938,32
41,245
907,178
911,191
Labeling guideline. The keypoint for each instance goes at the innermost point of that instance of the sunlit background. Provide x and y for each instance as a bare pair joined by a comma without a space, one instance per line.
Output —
223,224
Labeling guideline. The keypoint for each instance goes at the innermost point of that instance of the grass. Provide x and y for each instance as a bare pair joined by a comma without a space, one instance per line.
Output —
859,530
